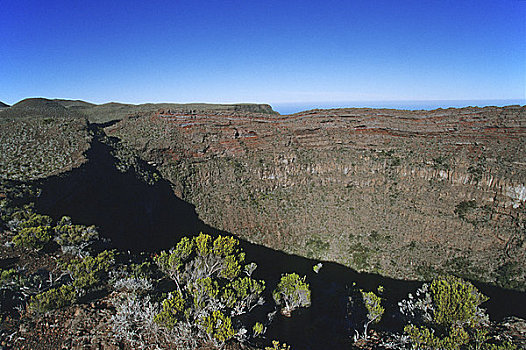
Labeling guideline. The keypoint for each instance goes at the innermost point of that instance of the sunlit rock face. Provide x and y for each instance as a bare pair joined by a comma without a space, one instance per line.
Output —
403,193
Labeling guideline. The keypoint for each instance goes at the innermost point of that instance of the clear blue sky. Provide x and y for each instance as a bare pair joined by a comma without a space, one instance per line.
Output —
262,51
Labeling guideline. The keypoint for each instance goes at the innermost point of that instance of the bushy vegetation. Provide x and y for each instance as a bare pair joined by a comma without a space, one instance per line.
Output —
446,314
375,310
202,293
134,322
212,285
276,345
34,237
54,298
291,293
89,272
26,218
32,148
7,276
33,231
74,238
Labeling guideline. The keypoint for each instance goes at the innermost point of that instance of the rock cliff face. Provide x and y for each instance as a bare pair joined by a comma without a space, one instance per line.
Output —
406,194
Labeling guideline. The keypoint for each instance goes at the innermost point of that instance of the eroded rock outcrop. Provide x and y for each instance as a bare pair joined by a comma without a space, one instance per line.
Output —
403,193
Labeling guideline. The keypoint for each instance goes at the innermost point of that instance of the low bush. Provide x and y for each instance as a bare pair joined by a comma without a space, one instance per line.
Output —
292,292
35,220
446,315
74,238
210,289
375,310
53,299
258,329
218,327
6,276
89,272
33,237
134,322
33,231
276,345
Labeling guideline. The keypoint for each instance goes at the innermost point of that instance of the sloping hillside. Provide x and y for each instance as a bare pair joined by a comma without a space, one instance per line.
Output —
40,147
42,107
409,194
117,111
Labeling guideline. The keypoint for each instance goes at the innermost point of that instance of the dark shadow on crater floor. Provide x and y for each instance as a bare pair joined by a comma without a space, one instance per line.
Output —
141,217
134,215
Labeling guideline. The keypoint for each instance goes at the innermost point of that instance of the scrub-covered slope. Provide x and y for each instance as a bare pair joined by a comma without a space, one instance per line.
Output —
32,148
107,112
407,194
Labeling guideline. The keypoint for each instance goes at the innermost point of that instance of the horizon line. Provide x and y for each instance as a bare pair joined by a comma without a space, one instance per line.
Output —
286,102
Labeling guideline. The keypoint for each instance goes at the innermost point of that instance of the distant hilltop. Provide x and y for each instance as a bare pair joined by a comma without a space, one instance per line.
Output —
42,107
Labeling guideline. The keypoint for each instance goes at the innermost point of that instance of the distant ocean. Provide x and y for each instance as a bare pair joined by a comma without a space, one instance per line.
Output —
290,108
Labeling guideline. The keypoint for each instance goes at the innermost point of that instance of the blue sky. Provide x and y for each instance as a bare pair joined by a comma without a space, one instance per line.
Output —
263,51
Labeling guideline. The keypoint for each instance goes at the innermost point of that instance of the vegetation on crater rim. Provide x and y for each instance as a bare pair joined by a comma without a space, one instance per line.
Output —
195,293
190,295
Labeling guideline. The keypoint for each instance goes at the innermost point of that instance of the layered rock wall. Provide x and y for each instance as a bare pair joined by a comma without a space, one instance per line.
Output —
404,193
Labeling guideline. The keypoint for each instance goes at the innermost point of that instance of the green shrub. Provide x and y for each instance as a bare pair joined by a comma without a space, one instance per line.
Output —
11,279
374,308
78,236
292,292
90,271
33,237
425,338
258,329
277,346
53,299
141,270
218,326
172,310
504,346
33,230
202,292
455,301
7,275
446,315
316,268
35,220
210,288
242,291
